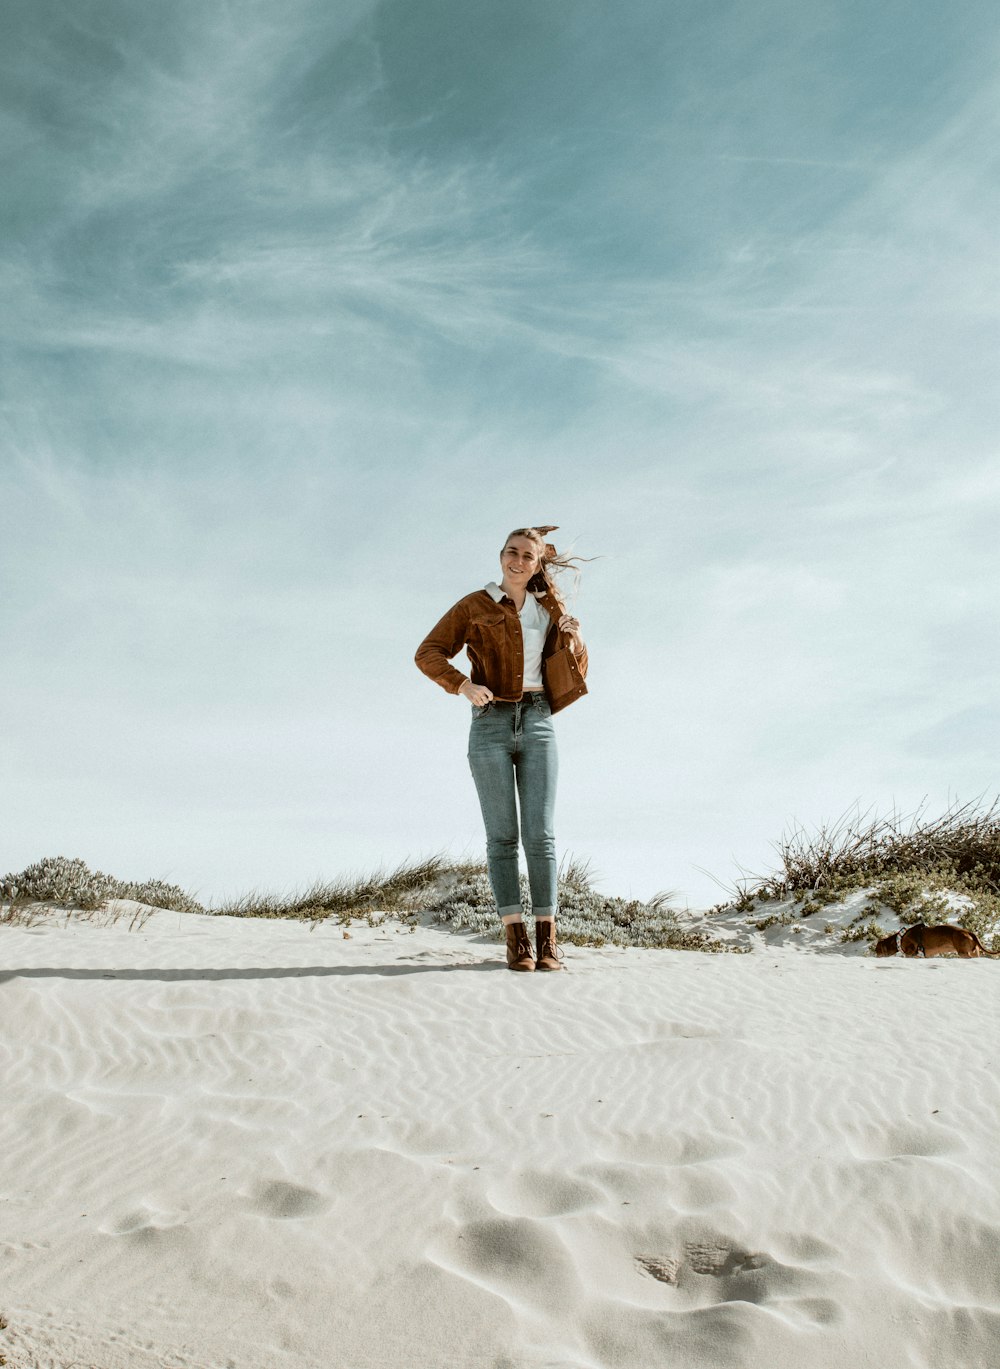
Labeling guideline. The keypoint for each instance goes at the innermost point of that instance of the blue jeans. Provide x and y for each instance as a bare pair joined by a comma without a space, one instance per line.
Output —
512,746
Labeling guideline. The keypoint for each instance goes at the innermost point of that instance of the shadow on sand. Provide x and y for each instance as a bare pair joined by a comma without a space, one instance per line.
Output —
253,972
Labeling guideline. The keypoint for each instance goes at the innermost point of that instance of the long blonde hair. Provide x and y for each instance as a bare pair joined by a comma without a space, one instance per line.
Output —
550,563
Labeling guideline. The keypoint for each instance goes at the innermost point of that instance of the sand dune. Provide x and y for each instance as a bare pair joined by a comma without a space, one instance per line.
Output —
228,1143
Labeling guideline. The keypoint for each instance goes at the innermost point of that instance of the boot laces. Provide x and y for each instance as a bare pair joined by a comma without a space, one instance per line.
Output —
549,949
522,942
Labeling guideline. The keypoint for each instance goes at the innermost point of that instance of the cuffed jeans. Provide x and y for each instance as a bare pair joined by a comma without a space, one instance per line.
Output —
512,747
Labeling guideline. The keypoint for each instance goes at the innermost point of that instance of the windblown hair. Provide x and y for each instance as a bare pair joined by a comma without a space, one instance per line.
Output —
553,563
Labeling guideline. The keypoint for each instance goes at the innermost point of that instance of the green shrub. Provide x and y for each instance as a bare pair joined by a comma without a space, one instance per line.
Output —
65,883
456,895
464,900
866,930
923,870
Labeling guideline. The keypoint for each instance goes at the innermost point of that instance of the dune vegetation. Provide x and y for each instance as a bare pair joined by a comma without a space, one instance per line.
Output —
433,890
916,868
853,876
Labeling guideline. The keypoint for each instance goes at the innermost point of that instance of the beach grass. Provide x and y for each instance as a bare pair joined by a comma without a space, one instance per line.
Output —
917,867
435,890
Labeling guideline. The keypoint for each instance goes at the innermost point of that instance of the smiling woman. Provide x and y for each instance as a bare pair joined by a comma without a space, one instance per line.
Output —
528,661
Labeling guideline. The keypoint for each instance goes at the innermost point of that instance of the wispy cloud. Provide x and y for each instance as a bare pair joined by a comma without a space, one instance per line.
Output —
822,163
287,288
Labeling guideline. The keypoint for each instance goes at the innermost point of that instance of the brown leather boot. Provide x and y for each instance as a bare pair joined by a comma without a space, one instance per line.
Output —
519,955
545,946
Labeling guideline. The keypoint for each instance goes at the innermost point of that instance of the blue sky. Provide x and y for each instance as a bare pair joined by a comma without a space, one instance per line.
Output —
306,306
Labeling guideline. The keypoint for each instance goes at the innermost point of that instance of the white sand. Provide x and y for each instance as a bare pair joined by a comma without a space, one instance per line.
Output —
245,1143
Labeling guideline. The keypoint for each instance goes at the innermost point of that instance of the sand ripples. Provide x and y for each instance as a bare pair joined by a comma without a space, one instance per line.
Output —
228,1143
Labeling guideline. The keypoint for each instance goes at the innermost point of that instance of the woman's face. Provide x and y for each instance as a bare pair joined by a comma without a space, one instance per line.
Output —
519,560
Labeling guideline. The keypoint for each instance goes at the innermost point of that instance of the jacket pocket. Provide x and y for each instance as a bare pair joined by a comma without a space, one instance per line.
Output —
562,673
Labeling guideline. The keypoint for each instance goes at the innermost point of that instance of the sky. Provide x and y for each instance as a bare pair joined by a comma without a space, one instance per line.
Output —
306,306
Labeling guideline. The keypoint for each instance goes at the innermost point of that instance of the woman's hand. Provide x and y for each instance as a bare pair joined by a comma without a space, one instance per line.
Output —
571,626
476,694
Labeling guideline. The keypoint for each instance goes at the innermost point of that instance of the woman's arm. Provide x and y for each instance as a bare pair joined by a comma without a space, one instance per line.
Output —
570,626
445,639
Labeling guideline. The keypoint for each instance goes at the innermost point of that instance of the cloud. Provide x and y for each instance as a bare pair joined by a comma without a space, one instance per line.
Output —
306,307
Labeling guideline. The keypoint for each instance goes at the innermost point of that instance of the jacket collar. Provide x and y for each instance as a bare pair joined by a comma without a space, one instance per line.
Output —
495,592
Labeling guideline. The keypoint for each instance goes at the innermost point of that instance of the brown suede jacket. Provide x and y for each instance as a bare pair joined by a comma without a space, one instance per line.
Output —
491,634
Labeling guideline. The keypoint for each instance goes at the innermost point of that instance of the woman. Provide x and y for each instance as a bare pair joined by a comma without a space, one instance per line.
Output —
528,661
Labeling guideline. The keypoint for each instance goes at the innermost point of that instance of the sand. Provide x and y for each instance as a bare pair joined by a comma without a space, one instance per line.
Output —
236,1143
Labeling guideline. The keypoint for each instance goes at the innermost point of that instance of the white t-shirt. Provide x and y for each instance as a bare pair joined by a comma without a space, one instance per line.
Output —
535,624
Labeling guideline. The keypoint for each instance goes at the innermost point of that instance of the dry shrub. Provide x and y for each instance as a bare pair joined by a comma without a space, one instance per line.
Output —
921,868
454,894
458,895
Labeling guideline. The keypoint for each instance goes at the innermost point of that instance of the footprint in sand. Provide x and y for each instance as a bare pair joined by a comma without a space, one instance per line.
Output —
145,1222
719,1261
538,1193
896,1142
515,1258
281,1200
662,1267
744,1277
